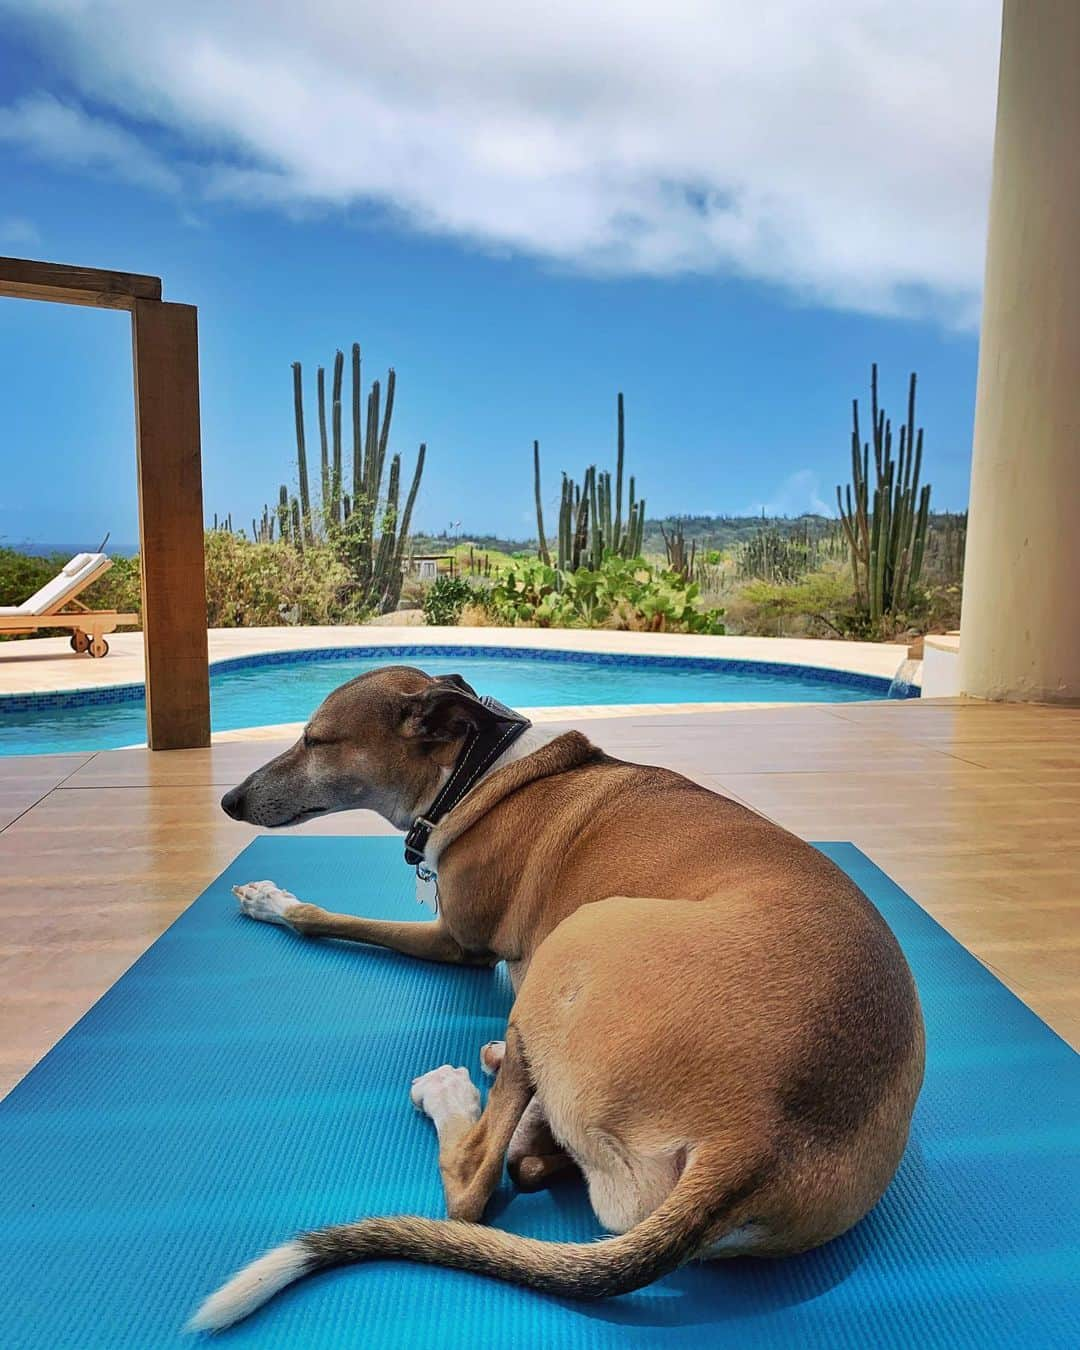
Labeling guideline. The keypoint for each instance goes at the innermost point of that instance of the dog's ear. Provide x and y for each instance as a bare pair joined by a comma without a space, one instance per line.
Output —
444,712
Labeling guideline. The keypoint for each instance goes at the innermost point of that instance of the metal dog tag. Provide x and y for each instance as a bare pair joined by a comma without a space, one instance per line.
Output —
427,888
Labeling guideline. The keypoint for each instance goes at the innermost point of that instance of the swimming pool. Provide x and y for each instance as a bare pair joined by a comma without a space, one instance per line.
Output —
287,686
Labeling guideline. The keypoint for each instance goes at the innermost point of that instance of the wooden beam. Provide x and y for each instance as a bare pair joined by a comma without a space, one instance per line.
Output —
166,350
28,280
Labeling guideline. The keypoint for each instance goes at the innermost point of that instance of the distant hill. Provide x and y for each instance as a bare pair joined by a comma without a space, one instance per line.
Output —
710,532
719,532
34,549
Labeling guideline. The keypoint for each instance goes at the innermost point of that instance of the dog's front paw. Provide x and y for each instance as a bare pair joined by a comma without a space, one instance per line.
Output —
264,901
446,1094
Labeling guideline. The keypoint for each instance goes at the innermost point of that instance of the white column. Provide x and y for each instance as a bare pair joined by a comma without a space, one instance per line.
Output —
1020,630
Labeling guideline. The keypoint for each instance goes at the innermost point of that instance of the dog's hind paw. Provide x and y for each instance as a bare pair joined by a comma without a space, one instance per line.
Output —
446,1094
264,901
491,1057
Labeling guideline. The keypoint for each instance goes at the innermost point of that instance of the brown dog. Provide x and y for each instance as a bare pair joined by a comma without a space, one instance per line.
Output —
715,1024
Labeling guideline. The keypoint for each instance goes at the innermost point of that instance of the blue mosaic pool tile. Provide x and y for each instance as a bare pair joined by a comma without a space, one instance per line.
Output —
872,685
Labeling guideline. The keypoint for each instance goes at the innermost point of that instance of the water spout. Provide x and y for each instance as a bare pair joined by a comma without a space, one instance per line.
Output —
907,680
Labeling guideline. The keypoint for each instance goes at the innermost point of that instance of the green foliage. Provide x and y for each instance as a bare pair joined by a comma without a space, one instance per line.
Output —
21,574
622,593
252,585
445,598
767,608
823,604
120,588
886,527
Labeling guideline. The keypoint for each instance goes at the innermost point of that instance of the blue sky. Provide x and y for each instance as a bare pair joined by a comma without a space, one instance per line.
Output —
513,305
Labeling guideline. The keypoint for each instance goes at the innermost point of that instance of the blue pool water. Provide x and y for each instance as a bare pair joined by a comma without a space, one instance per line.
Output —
287,687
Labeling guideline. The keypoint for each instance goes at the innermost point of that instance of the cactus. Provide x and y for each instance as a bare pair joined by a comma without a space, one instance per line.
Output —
886,532
301,448
371,543
335,516
785,555
357,442
262,531
946,539
621,447
675,547
545,555
324,451
283,512
590,515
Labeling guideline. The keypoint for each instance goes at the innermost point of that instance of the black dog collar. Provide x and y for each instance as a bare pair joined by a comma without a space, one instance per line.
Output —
479,753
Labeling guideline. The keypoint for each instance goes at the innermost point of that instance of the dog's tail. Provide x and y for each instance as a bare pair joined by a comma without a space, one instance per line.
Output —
703,1206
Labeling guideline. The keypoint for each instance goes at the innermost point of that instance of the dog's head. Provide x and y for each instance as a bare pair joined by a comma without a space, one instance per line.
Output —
384,741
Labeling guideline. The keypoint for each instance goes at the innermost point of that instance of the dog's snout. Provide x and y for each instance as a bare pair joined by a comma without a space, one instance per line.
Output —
233,803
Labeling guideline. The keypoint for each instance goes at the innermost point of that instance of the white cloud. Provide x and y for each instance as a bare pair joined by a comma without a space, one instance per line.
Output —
839,148
799,494
18,232
64,133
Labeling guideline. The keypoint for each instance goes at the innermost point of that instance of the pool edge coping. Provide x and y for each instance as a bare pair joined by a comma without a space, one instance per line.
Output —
131,691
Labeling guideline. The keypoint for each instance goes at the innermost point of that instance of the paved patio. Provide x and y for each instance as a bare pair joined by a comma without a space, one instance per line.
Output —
973,808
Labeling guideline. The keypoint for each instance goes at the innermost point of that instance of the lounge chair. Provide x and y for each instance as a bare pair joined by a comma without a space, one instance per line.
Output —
47,608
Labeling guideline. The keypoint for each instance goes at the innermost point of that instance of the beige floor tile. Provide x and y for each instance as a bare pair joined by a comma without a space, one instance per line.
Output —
974,809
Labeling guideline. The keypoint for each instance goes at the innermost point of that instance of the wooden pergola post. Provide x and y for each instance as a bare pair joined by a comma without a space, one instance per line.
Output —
169,466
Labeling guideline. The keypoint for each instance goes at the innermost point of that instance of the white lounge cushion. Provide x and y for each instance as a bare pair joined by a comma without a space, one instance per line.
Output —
64,585
78,563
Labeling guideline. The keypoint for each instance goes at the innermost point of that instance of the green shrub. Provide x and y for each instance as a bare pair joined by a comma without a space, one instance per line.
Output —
821,604
120,588
623,593
264,585
445,599
22,574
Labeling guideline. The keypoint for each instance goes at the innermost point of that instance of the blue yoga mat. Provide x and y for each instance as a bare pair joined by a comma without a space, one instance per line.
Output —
239,1083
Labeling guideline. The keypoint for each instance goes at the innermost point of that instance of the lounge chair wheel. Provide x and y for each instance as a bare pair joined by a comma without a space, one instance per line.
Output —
98,646
79,642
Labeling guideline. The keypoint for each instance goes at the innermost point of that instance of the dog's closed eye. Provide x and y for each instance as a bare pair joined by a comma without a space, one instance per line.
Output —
311,741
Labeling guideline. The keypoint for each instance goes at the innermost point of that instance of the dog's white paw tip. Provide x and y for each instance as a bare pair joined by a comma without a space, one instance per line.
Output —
444,1093
264,901
491,1057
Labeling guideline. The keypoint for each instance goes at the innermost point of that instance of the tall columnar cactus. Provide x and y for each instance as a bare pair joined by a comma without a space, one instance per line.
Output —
371,533
324,444
336,515
283,512
545,555
301,448
590,515
621,447
357,440
885,525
